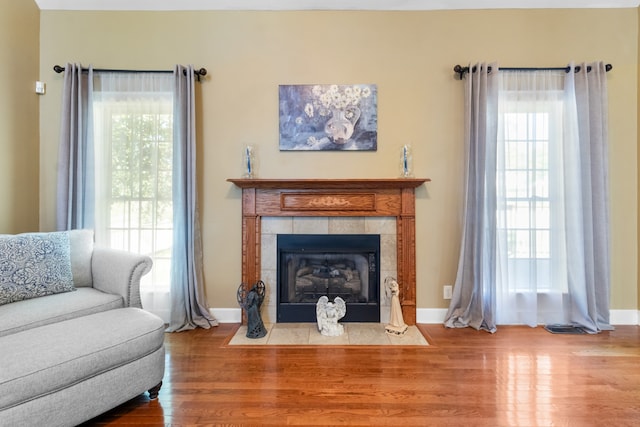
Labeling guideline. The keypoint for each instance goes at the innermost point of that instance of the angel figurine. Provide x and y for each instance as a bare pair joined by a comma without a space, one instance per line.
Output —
328,313
252,301
396,324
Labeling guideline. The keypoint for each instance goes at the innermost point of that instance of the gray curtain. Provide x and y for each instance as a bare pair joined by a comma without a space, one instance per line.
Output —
188,302
75,182
473,300
588,239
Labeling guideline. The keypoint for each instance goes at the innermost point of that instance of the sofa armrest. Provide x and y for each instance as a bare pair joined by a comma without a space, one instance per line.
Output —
119,272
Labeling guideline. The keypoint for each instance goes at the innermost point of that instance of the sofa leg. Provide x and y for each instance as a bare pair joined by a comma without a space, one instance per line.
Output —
153,392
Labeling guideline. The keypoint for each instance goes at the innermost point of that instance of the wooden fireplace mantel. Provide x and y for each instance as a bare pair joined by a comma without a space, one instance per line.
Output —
313,184
393,197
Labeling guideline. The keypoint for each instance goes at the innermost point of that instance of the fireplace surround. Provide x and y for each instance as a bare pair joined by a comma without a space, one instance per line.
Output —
394,197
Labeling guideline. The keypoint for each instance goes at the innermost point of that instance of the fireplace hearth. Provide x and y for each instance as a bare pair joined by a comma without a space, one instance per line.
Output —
311,266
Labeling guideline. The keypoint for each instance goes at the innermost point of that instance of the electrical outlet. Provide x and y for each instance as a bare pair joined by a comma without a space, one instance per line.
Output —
447,291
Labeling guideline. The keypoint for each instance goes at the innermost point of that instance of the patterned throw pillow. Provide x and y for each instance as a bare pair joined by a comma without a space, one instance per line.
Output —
34,265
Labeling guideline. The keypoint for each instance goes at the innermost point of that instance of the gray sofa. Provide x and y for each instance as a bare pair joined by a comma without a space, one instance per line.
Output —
74,340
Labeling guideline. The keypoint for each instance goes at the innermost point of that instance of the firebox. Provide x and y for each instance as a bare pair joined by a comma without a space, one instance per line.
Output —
336,265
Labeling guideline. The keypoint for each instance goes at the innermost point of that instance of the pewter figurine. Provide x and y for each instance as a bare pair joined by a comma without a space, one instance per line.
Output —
251,302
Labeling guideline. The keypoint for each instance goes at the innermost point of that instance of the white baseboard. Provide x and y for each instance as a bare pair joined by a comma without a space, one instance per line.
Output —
430,315
423,315
227,315
617,317
624,317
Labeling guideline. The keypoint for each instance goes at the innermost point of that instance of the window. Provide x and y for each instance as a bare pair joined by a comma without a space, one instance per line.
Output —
527,202
526,176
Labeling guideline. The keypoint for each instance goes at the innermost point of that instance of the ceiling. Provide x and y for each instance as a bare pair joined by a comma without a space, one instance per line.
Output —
327,4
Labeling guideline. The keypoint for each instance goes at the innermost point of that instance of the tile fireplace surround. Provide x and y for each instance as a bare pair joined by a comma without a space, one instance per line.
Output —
333,198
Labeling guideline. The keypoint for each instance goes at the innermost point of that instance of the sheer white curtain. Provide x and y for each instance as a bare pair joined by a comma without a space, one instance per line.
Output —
531,274
133,130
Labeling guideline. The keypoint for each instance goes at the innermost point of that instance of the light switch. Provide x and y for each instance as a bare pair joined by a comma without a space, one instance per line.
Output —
40,88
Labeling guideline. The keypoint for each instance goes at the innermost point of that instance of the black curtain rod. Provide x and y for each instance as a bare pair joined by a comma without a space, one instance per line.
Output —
461,70
199,73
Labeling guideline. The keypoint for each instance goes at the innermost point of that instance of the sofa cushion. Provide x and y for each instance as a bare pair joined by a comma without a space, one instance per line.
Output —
28,314
34,265
81,250
43,360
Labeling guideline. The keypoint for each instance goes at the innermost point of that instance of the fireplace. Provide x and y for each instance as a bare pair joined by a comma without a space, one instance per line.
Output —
312,265
382,197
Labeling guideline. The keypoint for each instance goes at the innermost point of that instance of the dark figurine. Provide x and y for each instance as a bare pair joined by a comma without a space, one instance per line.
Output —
251,302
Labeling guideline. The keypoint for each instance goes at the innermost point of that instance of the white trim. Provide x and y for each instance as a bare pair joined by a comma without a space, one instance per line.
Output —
431,316
227,315
624,317
423,315
617,317
329,4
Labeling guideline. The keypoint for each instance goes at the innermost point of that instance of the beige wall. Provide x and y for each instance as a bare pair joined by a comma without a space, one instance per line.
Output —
19,55
409,55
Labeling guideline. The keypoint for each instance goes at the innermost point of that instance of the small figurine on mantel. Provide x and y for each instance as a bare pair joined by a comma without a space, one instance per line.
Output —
328,313
251,302
396,324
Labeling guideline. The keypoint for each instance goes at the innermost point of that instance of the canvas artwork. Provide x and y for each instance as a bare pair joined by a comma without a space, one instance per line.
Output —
328,117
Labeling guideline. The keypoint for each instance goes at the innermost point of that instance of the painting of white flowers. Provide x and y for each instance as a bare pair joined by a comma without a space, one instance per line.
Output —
328,117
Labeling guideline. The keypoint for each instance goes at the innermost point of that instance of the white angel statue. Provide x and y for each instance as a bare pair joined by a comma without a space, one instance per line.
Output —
328,313
396,324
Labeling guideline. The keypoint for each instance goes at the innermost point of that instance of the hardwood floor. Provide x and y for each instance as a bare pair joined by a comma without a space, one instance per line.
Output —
516,377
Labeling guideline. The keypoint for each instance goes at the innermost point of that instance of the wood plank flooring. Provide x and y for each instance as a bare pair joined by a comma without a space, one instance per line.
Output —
517,377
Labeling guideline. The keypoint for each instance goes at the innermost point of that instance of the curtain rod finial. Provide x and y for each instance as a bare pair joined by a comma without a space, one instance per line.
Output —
58,69
200,73
460,70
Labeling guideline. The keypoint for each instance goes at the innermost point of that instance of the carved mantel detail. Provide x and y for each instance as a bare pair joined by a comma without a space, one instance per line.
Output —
329,201
330,198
